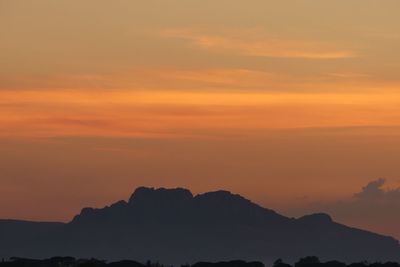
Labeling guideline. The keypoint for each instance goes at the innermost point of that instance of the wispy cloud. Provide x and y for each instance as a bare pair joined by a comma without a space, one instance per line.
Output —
205,78
261,47
167,114
151,78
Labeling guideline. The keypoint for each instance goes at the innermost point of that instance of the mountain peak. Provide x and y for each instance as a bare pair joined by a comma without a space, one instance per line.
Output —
151,194
221,196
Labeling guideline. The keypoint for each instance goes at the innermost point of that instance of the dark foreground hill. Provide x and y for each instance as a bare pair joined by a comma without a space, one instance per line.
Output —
173,226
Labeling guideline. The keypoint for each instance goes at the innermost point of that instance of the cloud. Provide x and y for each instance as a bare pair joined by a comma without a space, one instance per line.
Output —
155,78
372,190
261,47
373,208
203,79
165,113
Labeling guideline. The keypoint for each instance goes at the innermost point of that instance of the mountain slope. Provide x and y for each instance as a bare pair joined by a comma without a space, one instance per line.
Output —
173,226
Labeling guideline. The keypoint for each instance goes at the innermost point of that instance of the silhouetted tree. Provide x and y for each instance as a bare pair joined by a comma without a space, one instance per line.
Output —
280,263
334,264
310,261
72,262
359,264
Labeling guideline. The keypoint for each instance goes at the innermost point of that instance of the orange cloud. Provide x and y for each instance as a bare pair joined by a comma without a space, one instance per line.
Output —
171,114
148,78
204,79
266,47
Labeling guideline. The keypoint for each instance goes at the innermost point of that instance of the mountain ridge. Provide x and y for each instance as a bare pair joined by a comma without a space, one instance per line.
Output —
175,226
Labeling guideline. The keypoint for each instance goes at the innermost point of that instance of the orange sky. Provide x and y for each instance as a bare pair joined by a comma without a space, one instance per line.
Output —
291,103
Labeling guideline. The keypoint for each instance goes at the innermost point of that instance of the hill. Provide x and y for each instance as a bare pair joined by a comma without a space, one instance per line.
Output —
173,226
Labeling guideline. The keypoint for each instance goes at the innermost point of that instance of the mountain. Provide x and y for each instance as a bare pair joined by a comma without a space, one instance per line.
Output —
174,226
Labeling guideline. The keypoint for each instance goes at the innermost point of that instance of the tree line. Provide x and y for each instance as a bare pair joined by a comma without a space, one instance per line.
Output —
72,262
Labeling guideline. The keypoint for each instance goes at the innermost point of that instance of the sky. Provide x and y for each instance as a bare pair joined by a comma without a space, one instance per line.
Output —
293,104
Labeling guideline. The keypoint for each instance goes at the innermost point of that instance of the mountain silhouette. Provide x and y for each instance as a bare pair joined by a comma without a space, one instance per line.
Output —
174,226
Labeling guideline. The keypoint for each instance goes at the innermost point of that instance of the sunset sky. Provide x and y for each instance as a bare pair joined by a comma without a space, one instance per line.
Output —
295,104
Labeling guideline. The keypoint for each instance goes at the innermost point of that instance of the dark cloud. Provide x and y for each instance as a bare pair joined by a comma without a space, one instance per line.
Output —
374,191
375,207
